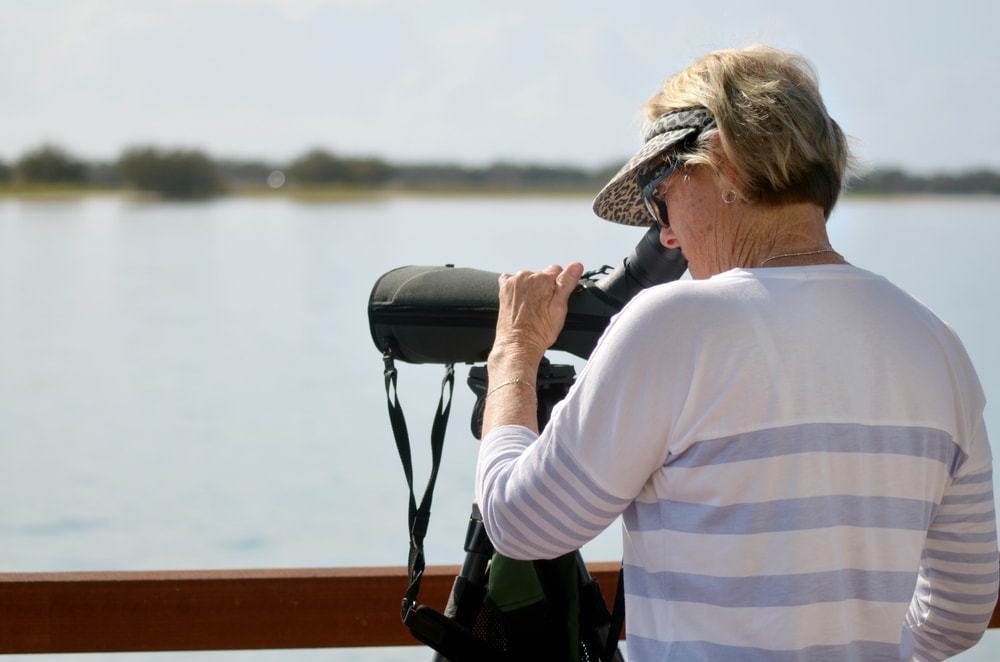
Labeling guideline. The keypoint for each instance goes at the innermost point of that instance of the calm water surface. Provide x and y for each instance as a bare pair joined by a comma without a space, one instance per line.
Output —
188,386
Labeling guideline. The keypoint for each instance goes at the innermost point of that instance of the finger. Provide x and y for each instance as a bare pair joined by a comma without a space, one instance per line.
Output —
502,281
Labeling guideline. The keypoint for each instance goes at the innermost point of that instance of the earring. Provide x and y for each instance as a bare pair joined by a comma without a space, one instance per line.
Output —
730,198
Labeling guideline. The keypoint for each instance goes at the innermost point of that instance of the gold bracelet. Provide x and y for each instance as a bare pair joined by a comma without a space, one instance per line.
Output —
508,383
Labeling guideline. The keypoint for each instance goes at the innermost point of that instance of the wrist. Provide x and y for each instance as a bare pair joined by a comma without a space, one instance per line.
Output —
516,360
517,381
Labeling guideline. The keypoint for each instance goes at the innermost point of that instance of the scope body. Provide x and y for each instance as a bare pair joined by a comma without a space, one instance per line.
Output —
447,314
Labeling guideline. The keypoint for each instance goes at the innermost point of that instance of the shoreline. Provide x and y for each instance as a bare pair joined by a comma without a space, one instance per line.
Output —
46,193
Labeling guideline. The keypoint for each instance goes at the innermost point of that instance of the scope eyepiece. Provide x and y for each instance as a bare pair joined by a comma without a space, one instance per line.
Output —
650,263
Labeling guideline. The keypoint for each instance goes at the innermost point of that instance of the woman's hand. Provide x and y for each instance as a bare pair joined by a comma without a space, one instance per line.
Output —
532,312
533,306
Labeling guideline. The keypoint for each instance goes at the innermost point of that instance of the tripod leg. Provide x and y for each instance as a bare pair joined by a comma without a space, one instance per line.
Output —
469,589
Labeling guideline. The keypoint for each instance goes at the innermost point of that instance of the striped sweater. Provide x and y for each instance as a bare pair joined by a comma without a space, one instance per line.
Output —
801,465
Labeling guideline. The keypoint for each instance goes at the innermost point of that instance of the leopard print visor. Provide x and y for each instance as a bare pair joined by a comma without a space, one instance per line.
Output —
621,199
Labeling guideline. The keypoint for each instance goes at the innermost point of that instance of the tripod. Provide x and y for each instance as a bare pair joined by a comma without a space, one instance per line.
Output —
465,603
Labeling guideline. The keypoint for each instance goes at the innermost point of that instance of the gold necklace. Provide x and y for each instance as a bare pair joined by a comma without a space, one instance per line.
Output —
815,252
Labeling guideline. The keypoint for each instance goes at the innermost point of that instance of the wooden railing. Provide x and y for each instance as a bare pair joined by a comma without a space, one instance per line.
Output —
83,612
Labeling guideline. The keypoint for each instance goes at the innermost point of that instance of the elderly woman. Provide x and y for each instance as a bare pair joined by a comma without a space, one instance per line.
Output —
796,446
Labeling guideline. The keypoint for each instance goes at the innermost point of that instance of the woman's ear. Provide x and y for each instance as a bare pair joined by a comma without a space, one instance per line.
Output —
727,172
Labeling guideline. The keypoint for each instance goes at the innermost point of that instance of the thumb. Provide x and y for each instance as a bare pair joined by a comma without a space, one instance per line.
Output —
567,281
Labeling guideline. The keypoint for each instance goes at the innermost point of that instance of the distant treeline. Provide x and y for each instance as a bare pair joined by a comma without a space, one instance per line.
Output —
181,173
891,180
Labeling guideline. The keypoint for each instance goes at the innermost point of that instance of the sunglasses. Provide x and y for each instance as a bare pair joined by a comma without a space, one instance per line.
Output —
658,208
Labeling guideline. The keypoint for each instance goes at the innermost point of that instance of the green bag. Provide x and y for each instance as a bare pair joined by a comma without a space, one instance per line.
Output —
538,605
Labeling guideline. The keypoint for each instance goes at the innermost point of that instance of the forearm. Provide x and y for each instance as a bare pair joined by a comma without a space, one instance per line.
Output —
511,398
532,312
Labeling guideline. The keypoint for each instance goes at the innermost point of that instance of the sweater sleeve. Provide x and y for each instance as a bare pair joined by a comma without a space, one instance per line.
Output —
529,518
958,579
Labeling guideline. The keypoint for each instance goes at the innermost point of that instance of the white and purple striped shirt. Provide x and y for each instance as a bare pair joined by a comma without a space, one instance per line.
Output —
800,460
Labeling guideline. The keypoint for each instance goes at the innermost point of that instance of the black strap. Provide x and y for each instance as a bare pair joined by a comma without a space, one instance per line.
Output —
418,516
617,619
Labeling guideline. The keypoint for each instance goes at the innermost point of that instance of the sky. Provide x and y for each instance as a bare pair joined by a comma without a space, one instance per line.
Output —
913,82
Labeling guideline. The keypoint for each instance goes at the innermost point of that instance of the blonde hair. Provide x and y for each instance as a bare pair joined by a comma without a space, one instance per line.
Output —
770,122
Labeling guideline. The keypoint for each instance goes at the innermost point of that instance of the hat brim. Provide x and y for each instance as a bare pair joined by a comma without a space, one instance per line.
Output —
620,201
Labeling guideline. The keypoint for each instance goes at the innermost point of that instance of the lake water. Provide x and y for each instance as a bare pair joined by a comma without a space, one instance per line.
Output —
187,386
